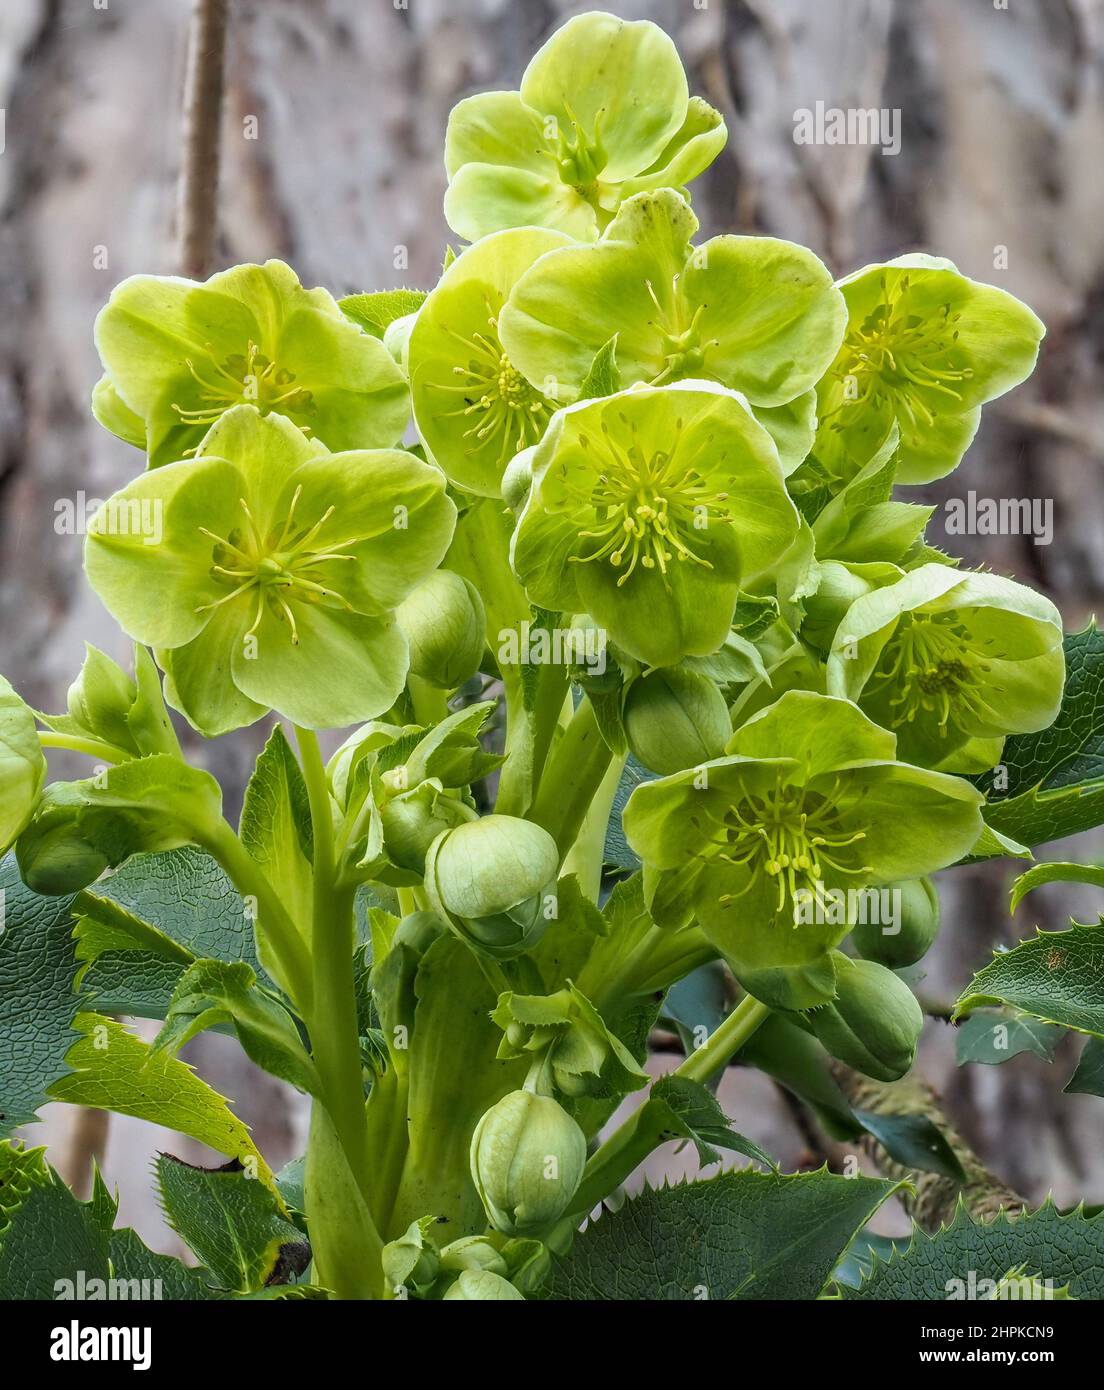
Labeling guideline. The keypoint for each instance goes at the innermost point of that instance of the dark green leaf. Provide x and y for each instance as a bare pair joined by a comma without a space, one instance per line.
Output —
1064,1249
993,1037
741,1235
1088,1078
1055,976
231,1221
690,1111
913,1141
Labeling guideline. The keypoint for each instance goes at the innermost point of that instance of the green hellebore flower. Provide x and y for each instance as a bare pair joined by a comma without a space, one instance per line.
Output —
178,354
675,719
445,625
756,314
603,112
489,880
925,347
951,662
270,576
473,408
648,510
22,765
763,844
527,1160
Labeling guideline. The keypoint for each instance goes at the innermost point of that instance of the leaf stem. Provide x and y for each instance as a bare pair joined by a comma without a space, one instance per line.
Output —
93,747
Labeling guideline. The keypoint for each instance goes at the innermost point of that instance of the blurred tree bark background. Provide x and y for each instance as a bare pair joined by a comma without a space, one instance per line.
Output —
333,123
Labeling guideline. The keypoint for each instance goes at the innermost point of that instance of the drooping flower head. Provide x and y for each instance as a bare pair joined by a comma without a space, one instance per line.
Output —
603,112
473,408
648,510
925,347
178,354
808,803
753,313
951,662
272,575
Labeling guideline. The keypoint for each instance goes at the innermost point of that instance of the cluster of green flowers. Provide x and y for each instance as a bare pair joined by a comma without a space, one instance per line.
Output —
691,446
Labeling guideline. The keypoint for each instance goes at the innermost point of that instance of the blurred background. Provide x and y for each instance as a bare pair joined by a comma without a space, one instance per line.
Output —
333,125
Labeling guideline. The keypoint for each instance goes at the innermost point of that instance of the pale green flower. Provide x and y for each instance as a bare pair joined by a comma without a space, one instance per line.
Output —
275,572
178,354
603,112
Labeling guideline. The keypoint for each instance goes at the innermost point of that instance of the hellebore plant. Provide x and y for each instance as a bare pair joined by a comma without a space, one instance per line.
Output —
456,933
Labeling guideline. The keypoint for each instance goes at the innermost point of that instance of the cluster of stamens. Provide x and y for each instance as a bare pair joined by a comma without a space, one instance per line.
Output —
898,357
792,834
643,504
931,666
280,569
244,378
505,410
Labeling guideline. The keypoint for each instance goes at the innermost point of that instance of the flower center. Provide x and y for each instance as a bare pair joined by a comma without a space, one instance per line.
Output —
248,378
580,156
930,666
645,505
681,347
900,358
278,570
505,411
791,834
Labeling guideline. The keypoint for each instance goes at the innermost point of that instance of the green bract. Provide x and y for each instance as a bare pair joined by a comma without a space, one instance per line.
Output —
603,112
178,354
649,510
125,713
271,575
925,347
489,879
754,313
951,662
808,803
527,1158
22,765
474,409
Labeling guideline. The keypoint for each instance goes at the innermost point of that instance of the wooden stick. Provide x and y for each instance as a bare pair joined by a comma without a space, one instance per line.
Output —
203,86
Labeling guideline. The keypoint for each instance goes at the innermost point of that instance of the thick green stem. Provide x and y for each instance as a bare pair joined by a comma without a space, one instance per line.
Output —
430,704
332,1019
576,767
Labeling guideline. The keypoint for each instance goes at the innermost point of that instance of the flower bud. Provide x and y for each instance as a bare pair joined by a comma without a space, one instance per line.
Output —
413,820
527,1160
444,623
54,854
918,926
474,1252
481,1284
518,479
873,1024
489,878
676,719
